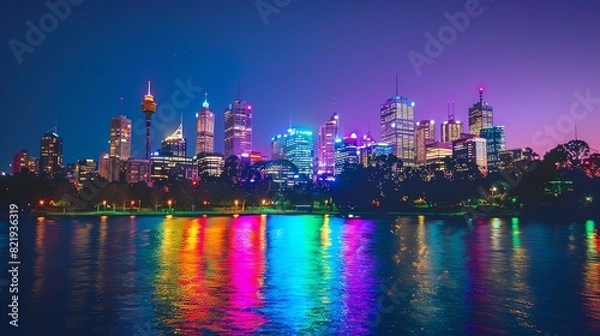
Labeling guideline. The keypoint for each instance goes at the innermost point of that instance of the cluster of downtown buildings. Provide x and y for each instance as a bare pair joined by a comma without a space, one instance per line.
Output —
294,157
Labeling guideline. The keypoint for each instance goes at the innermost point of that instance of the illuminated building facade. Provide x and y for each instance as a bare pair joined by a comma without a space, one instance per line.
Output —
51,149
481,115
436,154
85,170
205,129
328,132
508,158
398,127
110,167
171,167
209,164
120,137
137,170
496,143
175,145
369,152
424,135
451,130
238,128
297,146
472,149
22,160
346,152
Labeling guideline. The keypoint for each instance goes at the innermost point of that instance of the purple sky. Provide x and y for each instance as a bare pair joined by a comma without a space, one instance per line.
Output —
531,58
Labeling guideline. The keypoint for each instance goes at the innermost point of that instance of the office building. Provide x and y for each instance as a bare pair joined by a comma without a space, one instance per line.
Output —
205,129
297,146
480,115
496,143
120,137
51,155
238,128
424,135
398,127
328,132
209,164
22,160
346,153
471,150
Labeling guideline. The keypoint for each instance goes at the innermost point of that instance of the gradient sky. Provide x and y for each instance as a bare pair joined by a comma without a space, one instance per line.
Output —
531,57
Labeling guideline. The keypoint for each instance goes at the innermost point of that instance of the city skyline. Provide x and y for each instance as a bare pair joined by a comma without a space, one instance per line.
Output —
524,100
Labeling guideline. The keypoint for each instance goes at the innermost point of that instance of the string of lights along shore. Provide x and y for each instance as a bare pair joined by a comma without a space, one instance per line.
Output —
295,158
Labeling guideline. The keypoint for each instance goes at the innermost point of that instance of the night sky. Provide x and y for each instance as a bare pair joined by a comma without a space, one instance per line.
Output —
530,57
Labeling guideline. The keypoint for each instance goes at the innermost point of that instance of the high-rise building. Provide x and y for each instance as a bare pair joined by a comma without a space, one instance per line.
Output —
496,143
238,128
51,153
171,167
148,108
346,152
297,146
85,170
137,170
328,132
110,167
209,164
471,149
480,115
398,127
424,135
175,144
451,130
22,160
205,129
368,152
120,137
510,157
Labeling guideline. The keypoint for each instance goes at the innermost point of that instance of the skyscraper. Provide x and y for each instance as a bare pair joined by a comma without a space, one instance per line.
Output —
398,127
148,108
471,149
496,143
328,132
205,129
51,153
238,128
120,137
175,145
451,130
480,115
346,152
297,146
424,135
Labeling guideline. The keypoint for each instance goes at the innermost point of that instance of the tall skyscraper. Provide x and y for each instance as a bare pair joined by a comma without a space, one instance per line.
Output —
51,153
480,115
328,132
175,145
148,108
297,146
346,152
238,128
398,127
120,137
85,170
451,130
496,143
424,135
205,129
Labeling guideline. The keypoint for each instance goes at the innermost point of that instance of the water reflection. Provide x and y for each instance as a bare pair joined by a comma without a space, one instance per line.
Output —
310,275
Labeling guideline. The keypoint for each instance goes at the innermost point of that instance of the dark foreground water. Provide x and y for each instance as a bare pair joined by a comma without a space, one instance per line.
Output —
305,275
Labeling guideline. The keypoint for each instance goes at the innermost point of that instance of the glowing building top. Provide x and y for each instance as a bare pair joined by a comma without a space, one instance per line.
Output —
148,105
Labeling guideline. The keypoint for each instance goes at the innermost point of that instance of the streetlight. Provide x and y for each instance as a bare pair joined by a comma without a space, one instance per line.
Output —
236,204
139,205
41,204
104,203
170,202
132,204
494,189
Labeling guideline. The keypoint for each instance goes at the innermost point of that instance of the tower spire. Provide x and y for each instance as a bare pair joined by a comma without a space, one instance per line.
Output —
205,104
121,100
149,89
481,95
